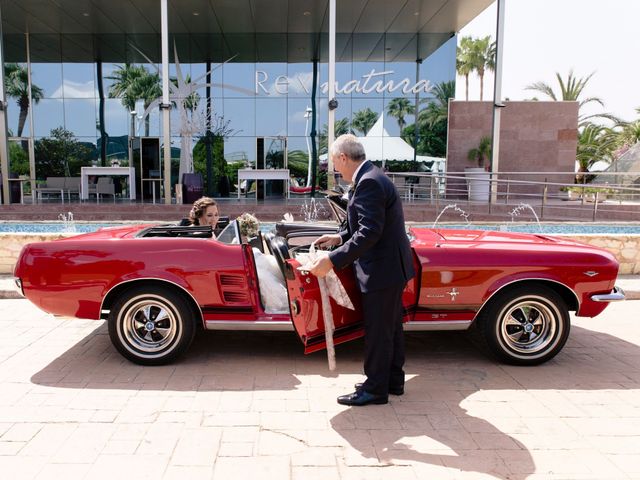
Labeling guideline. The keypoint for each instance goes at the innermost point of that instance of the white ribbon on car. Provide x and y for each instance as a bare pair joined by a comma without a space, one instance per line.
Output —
330,286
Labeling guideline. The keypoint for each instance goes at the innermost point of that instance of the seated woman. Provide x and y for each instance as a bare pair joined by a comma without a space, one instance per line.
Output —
204,212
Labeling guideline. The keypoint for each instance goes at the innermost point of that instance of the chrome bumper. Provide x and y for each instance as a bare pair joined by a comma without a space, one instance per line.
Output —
615,296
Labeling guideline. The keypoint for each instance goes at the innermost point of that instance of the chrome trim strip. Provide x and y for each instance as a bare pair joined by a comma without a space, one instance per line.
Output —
616,295
18,285
423,326
260,325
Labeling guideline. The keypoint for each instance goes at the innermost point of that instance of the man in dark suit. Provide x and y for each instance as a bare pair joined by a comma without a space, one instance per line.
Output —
376,243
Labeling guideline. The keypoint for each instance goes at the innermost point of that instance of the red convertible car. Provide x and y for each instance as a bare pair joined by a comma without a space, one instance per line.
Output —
155,284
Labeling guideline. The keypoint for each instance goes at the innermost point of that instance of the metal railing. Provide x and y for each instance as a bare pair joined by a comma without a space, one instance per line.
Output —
554,194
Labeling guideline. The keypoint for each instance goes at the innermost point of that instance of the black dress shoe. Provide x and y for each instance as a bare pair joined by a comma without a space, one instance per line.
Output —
360,398
392,391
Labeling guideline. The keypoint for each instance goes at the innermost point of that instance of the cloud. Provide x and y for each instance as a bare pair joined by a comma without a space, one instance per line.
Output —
71,89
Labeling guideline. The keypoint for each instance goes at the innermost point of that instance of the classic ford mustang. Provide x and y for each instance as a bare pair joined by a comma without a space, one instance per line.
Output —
154,284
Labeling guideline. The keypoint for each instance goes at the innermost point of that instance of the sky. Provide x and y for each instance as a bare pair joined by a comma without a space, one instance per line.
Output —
542,37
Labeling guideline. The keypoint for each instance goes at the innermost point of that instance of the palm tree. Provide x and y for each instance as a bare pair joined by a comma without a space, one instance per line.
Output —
464,65
398,108
340,127
363,120
438,107
571,90
123,79
483,57
146,87
16,83
595,142
481,153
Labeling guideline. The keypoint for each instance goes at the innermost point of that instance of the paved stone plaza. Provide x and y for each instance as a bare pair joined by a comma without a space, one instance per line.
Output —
251,405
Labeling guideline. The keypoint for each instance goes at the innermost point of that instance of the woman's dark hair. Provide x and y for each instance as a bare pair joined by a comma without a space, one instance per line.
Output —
199,207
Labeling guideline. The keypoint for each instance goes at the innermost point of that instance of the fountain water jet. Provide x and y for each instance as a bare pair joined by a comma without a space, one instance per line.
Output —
68,223
455,208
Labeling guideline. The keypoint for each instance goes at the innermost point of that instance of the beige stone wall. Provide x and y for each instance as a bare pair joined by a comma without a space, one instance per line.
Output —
534,137
11,245
626,248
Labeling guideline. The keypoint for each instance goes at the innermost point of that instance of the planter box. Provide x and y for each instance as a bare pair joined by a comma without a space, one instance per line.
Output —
478,184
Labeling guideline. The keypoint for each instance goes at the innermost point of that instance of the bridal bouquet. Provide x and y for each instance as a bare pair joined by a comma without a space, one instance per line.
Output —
249,225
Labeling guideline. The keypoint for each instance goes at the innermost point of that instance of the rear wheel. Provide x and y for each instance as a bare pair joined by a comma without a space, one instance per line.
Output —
525,325
151,326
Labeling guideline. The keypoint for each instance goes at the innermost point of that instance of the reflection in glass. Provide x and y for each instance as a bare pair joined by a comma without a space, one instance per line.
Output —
80,117
240,149
241,76
300,80
79,80
116,118
17,89
18,158
47,115
48,77
271,117
271,80
241,115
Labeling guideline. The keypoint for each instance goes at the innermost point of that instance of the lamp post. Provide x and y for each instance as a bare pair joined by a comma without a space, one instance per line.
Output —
307,115
132,134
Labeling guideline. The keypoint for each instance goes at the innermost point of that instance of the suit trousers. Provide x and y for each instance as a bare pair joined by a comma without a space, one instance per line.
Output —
384,340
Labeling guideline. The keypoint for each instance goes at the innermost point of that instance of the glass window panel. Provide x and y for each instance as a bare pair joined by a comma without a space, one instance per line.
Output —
47,115
297,119
301,80
299,151
240,149
271,80
79,80
271,116
48,77
147,124
401,80
80,117
18,157
116,118
117,150
368,74
14,48
392,123
17,92
440,66
241,115
366,121
199,71
239,79
344,75
109,70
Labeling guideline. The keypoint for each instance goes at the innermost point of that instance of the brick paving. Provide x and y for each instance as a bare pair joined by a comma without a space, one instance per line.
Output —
251,405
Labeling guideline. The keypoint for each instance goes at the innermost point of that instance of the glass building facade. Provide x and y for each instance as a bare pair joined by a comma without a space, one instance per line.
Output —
68,105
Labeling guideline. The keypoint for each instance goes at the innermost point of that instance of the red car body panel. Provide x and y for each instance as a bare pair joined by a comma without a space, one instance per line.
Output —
458,271
479,263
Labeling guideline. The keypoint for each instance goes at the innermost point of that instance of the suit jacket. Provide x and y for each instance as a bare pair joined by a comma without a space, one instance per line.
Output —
375,241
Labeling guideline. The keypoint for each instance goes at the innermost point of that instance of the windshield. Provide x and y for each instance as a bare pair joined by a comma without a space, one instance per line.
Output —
230,234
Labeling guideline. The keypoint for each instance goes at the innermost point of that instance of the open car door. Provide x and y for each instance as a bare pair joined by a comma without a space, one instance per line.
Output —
307,315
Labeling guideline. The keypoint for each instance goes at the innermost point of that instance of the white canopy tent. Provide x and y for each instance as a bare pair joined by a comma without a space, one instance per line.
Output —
380,146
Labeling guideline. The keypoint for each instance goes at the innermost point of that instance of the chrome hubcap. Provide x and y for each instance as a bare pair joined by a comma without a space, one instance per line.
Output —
149,325
529,326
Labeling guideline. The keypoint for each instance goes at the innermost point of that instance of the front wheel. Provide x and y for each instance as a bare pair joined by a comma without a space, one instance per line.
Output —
525,325
151,326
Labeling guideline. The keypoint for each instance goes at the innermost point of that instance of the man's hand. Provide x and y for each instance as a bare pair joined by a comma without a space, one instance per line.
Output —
321,267
330,240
